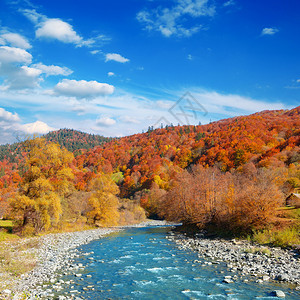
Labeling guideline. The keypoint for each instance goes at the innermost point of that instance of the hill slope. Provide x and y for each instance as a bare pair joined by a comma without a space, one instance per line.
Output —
73,140
268,138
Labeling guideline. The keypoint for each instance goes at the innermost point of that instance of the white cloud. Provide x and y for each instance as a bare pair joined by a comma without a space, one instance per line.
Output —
115,57
33,15
269,31
298,80
164,104
109,74
130,113
14,55
11,127
6,116
229,3
37,127
190,57
58,29
18,78
15,71
95,52
14,40
170,20
129,119
105,121
53,70
82,88
231,104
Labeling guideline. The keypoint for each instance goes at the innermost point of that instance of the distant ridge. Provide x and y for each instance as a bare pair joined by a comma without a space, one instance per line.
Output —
73,140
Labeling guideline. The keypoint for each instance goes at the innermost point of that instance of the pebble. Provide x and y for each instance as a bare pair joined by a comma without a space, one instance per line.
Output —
243,258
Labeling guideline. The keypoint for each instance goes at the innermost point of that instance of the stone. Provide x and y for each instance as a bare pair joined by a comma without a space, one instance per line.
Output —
282,277
266,278
278,293
227,280
78,275
6,292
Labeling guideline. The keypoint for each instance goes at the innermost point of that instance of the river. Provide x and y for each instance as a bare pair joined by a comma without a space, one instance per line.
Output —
140,263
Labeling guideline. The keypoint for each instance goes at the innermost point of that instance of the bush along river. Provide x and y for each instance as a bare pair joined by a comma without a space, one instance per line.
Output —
152,263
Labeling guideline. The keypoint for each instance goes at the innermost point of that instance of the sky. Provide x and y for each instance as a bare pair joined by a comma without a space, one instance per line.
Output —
114,67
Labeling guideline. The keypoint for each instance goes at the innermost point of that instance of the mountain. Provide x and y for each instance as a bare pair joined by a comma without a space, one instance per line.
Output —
268,139
73,140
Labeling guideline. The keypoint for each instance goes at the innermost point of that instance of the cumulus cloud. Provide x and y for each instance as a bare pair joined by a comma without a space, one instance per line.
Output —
15,71
170,20
37,127
82,89
14,40
14,55
23,78
57,29
6,116
18,73
269,31
105,121
53,70
11,127
109,74
116,57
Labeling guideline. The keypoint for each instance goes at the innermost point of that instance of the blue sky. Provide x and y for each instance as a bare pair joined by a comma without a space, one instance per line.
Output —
116,67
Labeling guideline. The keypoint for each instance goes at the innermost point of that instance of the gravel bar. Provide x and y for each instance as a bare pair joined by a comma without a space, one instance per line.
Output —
56,255
244,258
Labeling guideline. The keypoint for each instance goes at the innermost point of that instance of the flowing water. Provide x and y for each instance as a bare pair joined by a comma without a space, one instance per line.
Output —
140,263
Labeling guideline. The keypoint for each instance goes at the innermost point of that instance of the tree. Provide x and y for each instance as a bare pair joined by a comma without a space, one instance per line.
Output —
47,179
104,203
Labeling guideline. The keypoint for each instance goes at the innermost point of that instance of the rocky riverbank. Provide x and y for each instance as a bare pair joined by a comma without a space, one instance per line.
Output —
55,256
244,259
55,253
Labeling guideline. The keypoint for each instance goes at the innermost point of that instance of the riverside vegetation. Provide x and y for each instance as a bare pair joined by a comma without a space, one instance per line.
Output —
229,177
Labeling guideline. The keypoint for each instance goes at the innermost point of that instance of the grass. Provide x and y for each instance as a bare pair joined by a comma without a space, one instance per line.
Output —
17,257
285,232
286,237
258,250
6,227
6,223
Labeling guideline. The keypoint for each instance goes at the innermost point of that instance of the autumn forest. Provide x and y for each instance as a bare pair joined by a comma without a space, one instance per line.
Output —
231,176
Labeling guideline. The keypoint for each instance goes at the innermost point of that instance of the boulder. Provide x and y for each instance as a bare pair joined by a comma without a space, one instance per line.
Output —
278,293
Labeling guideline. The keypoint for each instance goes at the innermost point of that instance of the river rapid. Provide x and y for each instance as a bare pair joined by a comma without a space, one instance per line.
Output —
141,263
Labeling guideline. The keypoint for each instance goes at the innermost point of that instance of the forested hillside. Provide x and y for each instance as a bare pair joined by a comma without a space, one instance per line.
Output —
267,139
233,174
72,140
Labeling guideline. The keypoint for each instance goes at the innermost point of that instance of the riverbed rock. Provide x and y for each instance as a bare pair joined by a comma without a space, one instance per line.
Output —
282,277
278,293
245,258
6,292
